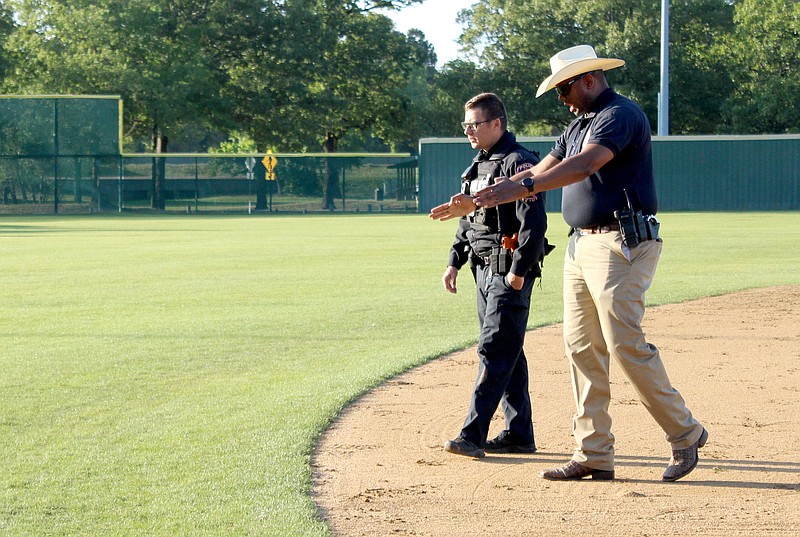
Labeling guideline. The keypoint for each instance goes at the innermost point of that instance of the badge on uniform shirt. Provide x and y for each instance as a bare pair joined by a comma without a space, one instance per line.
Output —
521,168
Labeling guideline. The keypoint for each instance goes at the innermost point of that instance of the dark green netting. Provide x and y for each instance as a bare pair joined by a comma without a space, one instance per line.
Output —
59,126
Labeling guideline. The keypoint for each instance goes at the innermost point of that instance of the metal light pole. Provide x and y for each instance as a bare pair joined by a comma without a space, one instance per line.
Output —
663,96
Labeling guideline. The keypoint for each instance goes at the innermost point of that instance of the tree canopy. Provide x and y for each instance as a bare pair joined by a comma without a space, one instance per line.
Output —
764,61
730,60
298,75
287,72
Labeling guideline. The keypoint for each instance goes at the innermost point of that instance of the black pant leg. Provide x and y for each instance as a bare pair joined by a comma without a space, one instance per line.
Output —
502,370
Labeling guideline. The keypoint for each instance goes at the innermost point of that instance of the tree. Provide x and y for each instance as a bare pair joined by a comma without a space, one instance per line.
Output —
335,68
167,60
700,78
322,66
365,70
765,61
515,41
175,64
6,28
285,72
457,82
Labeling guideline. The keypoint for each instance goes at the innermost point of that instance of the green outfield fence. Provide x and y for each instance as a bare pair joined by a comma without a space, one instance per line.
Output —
62,154
693,173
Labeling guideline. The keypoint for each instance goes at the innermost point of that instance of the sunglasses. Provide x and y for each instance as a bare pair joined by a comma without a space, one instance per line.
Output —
566,87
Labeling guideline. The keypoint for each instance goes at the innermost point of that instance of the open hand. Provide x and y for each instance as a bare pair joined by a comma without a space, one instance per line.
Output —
458,206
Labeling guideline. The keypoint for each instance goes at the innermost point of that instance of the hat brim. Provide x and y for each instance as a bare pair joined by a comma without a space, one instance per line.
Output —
575,69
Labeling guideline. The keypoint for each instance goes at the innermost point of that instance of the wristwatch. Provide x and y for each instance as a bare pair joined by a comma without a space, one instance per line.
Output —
528,183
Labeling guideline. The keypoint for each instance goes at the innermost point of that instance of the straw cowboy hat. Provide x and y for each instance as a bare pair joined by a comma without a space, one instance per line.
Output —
572,62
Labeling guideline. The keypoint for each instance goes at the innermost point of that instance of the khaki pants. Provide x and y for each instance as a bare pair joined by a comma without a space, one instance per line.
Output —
604,296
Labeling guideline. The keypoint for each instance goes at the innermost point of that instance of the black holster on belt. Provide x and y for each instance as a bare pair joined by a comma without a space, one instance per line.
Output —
634,226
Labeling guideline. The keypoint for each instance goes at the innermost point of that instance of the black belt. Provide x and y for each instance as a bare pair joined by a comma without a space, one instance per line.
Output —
597,229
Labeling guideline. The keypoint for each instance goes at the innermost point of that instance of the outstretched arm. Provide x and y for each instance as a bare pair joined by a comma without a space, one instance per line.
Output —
549,174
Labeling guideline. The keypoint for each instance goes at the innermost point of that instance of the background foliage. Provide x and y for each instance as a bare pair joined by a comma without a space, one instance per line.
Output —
298,75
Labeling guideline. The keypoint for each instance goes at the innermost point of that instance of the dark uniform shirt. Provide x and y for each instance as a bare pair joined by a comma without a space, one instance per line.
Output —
483,229
619,124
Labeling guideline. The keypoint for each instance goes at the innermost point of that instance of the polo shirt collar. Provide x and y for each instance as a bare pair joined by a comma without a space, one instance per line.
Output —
601,102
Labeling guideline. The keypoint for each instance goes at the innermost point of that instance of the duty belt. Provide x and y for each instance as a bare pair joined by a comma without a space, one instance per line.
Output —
597,229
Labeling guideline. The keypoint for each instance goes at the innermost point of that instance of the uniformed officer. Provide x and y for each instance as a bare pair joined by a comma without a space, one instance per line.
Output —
604,163
504,246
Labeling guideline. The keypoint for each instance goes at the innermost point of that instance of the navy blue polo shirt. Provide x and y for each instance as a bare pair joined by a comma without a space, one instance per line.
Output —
619,124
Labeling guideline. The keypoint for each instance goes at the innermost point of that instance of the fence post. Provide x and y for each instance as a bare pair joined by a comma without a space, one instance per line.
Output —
119,187
55,156
196,185
96,181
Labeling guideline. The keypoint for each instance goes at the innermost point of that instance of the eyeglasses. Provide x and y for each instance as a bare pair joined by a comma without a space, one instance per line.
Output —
565,88
474,126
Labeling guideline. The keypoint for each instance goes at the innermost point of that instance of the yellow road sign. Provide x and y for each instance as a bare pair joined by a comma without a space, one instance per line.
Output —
270,161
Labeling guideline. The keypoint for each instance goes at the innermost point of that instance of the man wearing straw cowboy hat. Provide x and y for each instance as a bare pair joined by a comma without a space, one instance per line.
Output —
603,162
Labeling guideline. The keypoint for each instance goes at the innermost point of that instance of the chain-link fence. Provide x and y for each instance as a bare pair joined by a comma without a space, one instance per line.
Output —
207,183
62,155
236,183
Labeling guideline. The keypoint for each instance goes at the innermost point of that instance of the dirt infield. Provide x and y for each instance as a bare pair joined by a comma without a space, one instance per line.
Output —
380,468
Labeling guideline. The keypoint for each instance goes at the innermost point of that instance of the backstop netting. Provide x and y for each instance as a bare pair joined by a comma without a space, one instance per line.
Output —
46,140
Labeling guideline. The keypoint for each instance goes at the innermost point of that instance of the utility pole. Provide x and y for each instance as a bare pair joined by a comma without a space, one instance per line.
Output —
663,95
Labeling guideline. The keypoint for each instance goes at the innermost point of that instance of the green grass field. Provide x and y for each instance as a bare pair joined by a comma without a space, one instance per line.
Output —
169,375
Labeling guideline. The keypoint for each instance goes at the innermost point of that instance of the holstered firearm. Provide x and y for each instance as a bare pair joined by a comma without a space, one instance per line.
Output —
510,243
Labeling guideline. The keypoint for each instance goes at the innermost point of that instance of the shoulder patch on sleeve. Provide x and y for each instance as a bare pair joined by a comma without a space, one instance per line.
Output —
522,166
